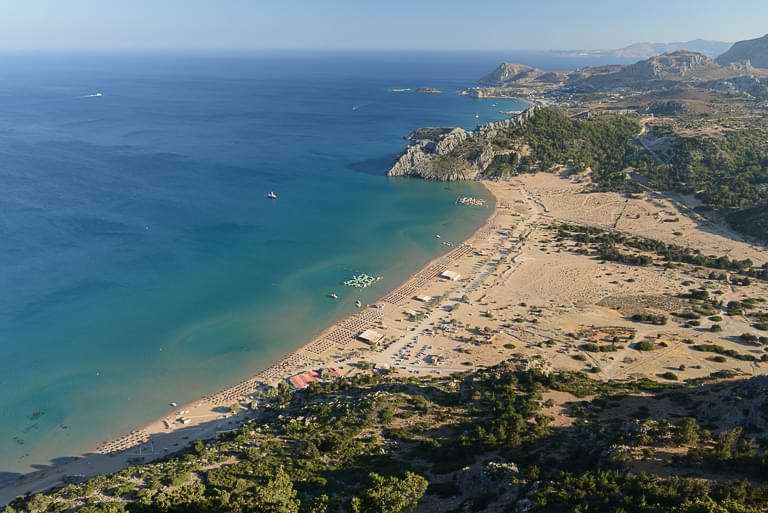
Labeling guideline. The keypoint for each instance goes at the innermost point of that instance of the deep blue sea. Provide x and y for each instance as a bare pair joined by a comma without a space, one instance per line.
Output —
140,262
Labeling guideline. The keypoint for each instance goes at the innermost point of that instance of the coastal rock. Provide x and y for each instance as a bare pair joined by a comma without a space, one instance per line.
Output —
450,154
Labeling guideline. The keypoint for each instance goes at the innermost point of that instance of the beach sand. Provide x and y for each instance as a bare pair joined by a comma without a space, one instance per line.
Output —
519,292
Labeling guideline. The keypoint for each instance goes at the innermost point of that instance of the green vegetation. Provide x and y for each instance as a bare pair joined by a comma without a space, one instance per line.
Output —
602,239
645,345
648,318
728,171
478,441
714,348
601,143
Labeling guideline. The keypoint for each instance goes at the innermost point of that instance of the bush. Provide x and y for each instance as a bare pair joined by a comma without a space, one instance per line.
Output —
645,345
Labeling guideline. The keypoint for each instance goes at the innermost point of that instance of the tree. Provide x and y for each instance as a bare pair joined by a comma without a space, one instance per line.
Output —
391,494
689,432
277,496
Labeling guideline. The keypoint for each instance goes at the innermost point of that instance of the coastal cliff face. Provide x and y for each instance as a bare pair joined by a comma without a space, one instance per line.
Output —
449,154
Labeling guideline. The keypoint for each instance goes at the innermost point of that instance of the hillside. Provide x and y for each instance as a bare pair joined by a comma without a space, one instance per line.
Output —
537,140
510,74
650,73
754,50
516,437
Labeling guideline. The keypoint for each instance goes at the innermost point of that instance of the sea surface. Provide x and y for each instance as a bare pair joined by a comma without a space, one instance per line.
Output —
140,262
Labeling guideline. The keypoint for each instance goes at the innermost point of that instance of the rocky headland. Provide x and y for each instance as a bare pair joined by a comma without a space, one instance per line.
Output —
448,154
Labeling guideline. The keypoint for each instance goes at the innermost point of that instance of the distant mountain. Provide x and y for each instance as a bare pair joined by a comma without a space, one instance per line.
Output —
646,50
754,50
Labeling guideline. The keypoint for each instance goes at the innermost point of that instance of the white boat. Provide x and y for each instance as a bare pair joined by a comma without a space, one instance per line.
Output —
358,303
437,236
333,296
477,116
272,195
174,405
356,107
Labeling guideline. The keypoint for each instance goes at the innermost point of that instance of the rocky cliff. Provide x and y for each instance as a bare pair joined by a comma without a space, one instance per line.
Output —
449,154
754,50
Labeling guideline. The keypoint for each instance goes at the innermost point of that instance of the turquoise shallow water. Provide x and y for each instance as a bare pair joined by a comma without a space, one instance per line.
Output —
139,260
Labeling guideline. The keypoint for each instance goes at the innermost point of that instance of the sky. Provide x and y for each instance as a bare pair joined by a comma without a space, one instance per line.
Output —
365,24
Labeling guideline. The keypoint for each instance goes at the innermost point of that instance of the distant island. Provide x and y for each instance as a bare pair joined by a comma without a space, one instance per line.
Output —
428,90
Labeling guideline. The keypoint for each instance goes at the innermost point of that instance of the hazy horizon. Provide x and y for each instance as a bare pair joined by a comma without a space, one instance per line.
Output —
365,25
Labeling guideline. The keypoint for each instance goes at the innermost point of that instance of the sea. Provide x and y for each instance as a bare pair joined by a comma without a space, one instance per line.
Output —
141,262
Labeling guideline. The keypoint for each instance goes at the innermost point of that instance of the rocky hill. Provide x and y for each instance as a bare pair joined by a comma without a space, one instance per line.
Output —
510,74
538,139
754,50
668,67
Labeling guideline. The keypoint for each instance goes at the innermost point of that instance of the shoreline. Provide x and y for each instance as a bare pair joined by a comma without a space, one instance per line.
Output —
208,415
514,291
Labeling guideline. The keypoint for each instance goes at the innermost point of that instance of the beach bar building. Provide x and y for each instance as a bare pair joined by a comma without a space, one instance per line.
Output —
303,380
371,337
450,275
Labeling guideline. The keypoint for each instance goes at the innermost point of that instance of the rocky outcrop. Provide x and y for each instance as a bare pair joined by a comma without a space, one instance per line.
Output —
754,51
667,66
507,75
450,154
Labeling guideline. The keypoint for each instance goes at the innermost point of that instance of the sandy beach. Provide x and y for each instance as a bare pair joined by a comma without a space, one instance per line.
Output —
510,289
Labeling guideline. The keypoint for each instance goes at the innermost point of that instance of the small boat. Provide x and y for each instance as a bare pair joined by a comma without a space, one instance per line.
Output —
333,296
358,303
477,116
272,195
356,107
437,236
173,405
